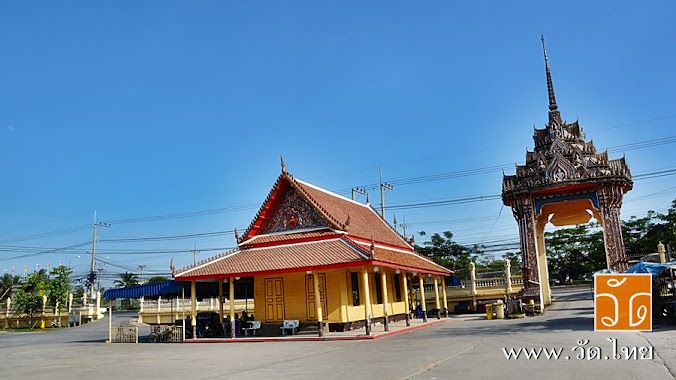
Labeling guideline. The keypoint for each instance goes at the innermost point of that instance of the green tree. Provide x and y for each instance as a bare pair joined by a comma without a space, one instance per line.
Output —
59,285
29,296
155,279
444,251
641,235
7,282
574,251
126,279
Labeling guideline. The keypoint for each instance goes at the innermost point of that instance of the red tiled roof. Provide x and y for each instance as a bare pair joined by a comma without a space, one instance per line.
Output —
342,244
289,236
300,256
410,260
277,258
364,221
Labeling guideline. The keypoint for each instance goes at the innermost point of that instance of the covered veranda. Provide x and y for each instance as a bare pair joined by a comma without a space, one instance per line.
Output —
360,295
165,288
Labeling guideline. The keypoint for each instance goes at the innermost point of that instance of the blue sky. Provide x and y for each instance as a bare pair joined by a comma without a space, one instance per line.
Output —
142,109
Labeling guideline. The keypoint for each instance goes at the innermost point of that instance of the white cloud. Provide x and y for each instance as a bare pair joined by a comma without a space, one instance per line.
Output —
10,128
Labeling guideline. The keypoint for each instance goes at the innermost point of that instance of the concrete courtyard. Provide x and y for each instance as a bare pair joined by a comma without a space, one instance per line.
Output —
466,346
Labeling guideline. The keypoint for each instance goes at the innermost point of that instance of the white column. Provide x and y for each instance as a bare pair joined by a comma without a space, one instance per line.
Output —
318,303
472,276
98,305
508,277
140,313
110,321
8,303
436,297
443,294
367,300
158,317
231,294
662,252
193,308
220,301
383,281
406,300
423,304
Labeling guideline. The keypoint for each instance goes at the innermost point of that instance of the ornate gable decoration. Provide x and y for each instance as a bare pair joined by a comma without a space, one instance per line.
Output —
562,157
292,212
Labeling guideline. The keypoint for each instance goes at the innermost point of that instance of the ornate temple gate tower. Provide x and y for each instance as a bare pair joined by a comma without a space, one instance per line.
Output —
565,182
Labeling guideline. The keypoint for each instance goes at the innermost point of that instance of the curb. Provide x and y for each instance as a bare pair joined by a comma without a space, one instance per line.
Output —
315,339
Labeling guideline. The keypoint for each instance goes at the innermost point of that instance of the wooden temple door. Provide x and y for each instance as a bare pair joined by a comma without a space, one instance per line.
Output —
310,296
274,299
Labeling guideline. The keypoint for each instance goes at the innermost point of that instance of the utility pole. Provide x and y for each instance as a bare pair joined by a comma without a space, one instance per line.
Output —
360,190
404,226
383,187
194,255
100,270
142,267
92,274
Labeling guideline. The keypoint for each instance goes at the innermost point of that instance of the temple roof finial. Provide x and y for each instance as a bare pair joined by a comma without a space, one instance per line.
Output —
281,158
553,108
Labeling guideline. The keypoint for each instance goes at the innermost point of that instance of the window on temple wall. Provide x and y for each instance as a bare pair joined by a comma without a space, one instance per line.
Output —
397,287
354,281
379,288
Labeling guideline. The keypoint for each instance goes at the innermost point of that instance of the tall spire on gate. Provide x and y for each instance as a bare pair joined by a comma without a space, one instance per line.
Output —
554,114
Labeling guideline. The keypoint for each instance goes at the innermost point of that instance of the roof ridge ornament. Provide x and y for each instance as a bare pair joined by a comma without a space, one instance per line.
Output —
554,114
281,159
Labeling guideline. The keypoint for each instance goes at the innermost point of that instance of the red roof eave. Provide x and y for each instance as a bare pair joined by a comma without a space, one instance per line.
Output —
293,241
311,268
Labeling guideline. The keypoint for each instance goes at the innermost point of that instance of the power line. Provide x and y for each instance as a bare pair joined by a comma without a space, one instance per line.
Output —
171,237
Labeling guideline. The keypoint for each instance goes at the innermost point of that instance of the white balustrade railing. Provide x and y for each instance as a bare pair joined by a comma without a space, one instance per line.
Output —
208,304
481,283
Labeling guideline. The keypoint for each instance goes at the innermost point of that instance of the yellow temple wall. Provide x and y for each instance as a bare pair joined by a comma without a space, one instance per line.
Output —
338,296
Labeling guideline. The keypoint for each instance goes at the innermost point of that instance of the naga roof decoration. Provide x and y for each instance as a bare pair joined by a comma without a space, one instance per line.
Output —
562,158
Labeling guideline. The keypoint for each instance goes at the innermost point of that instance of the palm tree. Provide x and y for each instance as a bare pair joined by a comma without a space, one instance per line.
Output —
126,279
7,281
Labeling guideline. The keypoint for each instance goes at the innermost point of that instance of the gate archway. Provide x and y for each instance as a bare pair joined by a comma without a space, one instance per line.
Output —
565,181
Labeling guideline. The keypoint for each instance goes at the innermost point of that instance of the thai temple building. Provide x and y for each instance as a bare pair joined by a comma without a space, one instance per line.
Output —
322,259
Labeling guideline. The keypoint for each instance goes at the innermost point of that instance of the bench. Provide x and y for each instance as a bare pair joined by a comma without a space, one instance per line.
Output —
290,325
253,327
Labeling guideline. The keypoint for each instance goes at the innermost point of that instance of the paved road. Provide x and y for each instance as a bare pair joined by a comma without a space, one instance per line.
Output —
95,332
462,347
